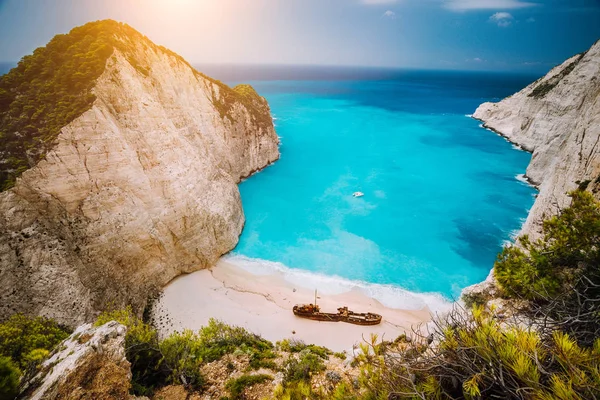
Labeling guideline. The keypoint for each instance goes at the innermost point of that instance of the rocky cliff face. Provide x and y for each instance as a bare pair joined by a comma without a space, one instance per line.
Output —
557,118
137,190
90,364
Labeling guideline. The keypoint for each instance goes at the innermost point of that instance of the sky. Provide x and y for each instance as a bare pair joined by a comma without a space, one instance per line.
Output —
513,35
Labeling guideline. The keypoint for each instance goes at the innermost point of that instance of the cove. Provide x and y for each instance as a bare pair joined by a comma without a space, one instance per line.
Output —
442,194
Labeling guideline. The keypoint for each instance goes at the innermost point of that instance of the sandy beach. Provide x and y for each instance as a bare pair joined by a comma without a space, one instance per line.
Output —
263,305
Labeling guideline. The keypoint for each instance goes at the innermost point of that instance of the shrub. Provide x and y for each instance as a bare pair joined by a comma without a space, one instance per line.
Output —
295,391
476,358
302,368
182,354
559,273
237,386
28,340
296,346
343,392
475,299
142,351
570,247
218,339
9,379
178,358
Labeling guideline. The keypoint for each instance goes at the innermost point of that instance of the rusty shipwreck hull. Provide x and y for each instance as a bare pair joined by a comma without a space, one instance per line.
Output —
343,315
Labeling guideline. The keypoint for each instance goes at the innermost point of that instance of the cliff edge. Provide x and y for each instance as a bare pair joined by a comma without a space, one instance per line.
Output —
138,187
557,118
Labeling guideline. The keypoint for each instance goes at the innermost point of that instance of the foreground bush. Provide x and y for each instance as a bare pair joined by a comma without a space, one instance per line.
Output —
569,248
28,340
25,342
475,358
142,351
218,339
237,386
559,274
9,379
177,359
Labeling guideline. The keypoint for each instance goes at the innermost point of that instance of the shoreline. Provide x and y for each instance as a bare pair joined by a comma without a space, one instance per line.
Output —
263,305
490,281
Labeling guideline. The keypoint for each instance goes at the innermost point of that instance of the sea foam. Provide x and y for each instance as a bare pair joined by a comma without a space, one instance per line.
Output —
389,295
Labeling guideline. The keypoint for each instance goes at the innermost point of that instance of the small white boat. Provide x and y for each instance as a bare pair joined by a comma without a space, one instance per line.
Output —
358,194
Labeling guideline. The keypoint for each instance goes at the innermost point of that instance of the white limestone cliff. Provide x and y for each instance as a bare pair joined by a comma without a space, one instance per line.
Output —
90,364
139,189
557,118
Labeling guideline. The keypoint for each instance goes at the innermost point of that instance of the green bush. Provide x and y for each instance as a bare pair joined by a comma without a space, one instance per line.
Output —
294,391
570,247
178,358
182,354
28,340
9,379
476,358
237,386
218,339
142,350
344,392
296,346
303,367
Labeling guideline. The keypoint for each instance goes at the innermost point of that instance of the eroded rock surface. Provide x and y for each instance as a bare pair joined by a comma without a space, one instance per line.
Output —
139,189
90,364
558,119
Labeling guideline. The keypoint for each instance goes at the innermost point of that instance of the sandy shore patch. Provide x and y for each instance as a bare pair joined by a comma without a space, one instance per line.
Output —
263,305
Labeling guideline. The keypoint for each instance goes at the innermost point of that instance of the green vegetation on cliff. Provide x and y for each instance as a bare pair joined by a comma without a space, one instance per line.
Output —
541,90
24,343
177,359
49,89
568,250
53,86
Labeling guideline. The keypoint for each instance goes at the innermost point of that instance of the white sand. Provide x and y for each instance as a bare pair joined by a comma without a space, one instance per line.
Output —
263,305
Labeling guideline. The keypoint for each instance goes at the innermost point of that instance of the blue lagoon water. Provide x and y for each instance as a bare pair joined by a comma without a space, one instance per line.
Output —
441,193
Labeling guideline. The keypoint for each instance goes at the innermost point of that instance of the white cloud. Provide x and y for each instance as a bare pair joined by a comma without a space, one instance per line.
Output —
530,20
475,60
503,19
466,5
379,2
389,14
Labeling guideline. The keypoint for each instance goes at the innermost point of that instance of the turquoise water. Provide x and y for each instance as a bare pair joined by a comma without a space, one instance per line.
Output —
441,194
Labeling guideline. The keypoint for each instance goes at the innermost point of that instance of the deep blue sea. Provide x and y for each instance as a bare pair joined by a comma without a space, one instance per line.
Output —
441,194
